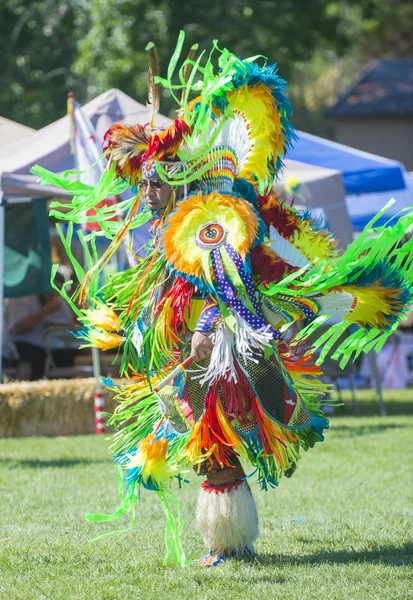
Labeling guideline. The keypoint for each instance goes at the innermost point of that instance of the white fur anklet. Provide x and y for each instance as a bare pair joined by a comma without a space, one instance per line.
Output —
227,518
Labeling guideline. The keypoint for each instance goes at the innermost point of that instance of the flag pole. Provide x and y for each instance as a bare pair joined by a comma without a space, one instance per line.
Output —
2,242
99,403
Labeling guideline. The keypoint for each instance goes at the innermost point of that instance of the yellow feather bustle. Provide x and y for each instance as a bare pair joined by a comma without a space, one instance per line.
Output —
314,244
373,304
257,107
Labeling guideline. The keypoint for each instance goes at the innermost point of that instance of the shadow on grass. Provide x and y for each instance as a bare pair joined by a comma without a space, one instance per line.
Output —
357,430
27,463
370,408
397,557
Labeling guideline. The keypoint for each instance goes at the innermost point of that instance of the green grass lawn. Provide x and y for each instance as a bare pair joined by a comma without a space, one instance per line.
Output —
340,528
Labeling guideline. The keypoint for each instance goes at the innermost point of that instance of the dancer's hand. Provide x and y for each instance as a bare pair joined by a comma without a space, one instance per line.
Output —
201,345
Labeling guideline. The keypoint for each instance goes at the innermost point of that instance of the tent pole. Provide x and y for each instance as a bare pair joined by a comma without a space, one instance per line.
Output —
376,377
2,220
98,394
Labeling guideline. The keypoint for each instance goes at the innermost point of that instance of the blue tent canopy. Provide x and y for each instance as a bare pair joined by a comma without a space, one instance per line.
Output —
362,172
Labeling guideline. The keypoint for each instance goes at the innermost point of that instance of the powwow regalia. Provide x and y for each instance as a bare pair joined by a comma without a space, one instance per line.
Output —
229,259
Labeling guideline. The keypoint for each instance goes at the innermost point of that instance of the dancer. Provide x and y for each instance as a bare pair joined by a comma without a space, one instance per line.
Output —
204,320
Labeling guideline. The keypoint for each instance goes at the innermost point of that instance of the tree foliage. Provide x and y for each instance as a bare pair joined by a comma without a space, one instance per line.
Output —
50,47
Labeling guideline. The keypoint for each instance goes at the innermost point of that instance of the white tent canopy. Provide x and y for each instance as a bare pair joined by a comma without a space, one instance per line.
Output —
326,191
50,146
12,132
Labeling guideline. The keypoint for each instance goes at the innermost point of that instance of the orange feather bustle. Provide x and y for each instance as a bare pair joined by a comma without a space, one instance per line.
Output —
237,217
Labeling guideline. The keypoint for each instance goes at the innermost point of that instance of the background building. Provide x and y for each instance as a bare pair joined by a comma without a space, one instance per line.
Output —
376,113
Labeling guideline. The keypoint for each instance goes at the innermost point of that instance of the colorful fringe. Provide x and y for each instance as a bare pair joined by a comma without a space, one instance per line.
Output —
259,265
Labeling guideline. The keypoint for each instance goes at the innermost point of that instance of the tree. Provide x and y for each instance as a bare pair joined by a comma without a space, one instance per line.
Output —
112,54
50,47
38,46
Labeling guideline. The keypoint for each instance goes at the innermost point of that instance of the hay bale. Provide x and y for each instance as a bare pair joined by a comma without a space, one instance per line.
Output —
49,408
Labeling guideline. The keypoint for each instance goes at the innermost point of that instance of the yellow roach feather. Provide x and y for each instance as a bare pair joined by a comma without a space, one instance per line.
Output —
235,215
154,94
127,143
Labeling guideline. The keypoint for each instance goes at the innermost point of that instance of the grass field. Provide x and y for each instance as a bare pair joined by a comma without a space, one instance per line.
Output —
341,528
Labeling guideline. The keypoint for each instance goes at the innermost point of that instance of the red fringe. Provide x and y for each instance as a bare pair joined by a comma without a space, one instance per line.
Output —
266,431
238,397
211,431
221,489
181,292
301,360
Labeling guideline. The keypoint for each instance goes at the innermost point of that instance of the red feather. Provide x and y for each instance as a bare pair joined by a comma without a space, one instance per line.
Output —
181,292
167,142
268,266
274,212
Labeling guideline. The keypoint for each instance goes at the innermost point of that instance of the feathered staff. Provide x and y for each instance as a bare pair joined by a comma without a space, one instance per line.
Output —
188,68
153,88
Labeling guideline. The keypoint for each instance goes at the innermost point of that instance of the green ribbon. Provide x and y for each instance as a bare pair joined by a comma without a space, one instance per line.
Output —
174,526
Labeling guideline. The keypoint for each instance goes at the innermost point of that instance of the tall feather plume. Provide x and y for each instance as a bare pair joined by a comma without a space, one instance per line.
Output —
126,144
154,95
188,67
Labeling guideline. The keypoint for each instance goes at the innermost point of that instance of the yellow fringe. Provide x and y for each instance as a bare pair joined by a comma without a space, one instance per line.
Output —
165,339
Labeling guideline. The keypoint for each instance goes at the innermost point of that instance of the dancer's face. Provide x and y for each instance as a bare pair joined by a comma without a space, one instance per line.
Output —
156,193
